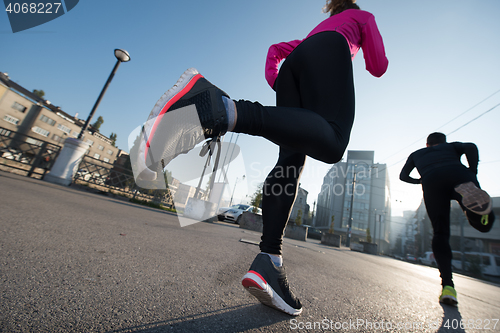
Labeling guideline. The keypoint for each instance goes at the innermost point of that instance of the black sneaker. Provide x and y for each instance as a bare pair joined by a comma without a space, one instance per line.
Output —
474,199
168,134
482,223
269,284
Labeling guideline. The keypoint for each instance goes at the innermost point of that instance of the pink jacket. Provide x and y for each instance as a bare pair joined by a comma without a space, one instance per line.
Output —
357,26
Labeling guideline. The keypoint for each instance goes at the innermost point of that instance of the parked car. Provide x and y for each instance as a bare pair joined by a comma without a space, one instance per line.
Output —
83,174
428,259
13,154
410,258
490,263
234,212
313,232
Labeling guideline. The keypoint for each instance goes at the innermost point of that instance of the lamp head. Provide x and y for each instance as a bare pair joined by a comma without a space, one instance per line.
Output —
122,55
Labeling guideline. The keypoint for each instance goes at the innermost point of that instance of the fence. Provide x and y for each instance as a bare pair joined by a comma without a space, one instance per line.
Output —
117,178
26,155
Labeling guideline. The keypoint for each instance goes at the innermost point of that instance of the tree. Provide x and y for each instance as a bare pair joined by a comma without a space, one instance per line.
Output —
112,137
257,197
298,219
331,230
98,123
39,93
368,235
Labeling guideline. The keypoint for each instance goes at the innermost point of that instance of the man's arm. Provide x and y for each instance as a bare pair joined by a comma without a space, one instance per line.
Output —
407,169
471,153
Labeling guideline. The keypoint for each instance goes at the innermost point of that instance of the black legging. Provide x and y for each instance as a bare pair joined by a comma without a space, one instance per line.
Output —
313,116
439,189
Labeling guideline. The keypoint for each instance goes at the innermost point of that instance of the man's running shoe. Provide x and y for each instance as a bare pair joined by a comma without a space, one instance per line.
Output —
269,284
474,199
482,223
448,296
187,114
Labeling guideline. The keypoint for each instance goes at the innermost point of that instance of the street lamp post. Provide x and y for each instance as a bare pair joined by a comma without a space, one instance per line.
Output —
121,56
236,182
74,149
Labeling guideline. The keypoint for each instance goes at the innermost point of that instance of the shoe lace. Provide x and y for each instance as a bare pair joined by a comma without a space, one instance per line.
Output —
209,148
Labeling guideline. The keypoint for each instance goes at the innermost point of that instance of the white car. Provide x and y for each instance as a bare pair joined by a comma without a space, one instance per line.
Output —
428,259
234,212
16,155
84,174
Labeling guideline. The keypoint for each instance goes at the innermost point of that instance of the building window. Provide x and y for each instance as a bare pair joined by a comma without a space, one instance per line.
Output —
47,120
101,147
106,160
96,155
34,142
75,134
56,137
90,142
4,132
110,152
11,119
40,131
18,107
64,128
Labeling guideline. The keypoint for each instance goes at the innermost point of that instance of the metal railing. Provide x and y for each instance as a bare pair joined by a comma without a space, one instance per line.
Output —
29,156
118,178
26,155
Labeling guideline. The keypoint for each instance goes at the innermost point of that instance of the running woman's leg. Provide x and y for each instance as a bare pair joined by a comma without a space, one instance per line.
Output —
314,116
278,195
315,98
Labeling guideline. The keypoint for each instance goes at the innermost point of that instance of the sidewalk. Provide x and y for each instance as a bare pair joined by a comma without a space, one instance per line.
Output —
73,261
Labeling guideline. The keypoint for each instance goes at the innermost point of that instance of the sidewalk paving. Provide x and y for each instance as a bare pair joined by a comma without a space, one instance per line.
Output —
73,261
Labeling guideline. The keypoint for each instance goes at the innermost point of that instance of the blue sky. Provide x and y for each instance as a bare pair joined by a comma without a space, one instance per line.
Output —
443,59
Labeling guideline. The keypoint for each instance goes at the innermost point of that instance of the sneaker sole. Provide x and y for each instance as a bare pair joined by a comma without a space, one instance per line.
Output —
170,97
449,300
255,284
474,199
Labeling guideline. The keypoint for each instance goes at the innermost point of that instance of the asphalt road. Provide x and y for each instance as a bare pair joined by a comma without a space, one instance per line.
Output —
73,261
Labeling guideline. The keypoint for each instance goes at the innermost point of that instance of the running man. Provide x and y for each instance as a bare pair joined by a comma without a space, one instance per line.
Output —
445,178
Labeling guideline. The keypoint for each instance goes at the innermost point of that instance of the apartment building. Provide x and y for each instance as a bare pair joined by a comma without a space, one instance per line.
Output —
26,114
356,193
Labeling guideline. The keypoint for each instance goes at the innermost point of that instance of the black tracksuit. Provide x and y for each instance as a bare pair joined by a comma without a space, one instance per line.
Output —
441,171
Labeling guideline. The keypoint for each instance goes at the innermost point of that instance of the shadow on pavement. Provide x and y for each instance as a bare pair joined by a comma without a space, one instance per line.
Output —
233,319
452,320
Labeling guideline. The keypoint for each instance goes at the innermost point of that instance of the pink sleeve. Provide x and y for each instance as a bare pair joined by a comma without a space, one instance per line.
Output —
373,49
276,53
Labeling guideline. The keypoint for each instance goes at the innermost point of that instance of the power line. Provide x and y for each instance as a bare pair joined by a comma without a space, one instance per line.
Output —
467,123
469,109
482,114
420,140
488,162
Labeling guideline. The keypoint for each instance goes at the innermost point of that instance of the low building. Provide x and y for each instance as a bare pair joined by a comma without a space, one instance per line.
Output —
419,232
300,206
473,240
26,114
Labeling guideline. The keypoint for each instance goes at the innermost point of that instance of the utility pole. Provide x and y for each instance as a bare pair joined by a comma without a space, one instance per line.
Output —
462,250
348,239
